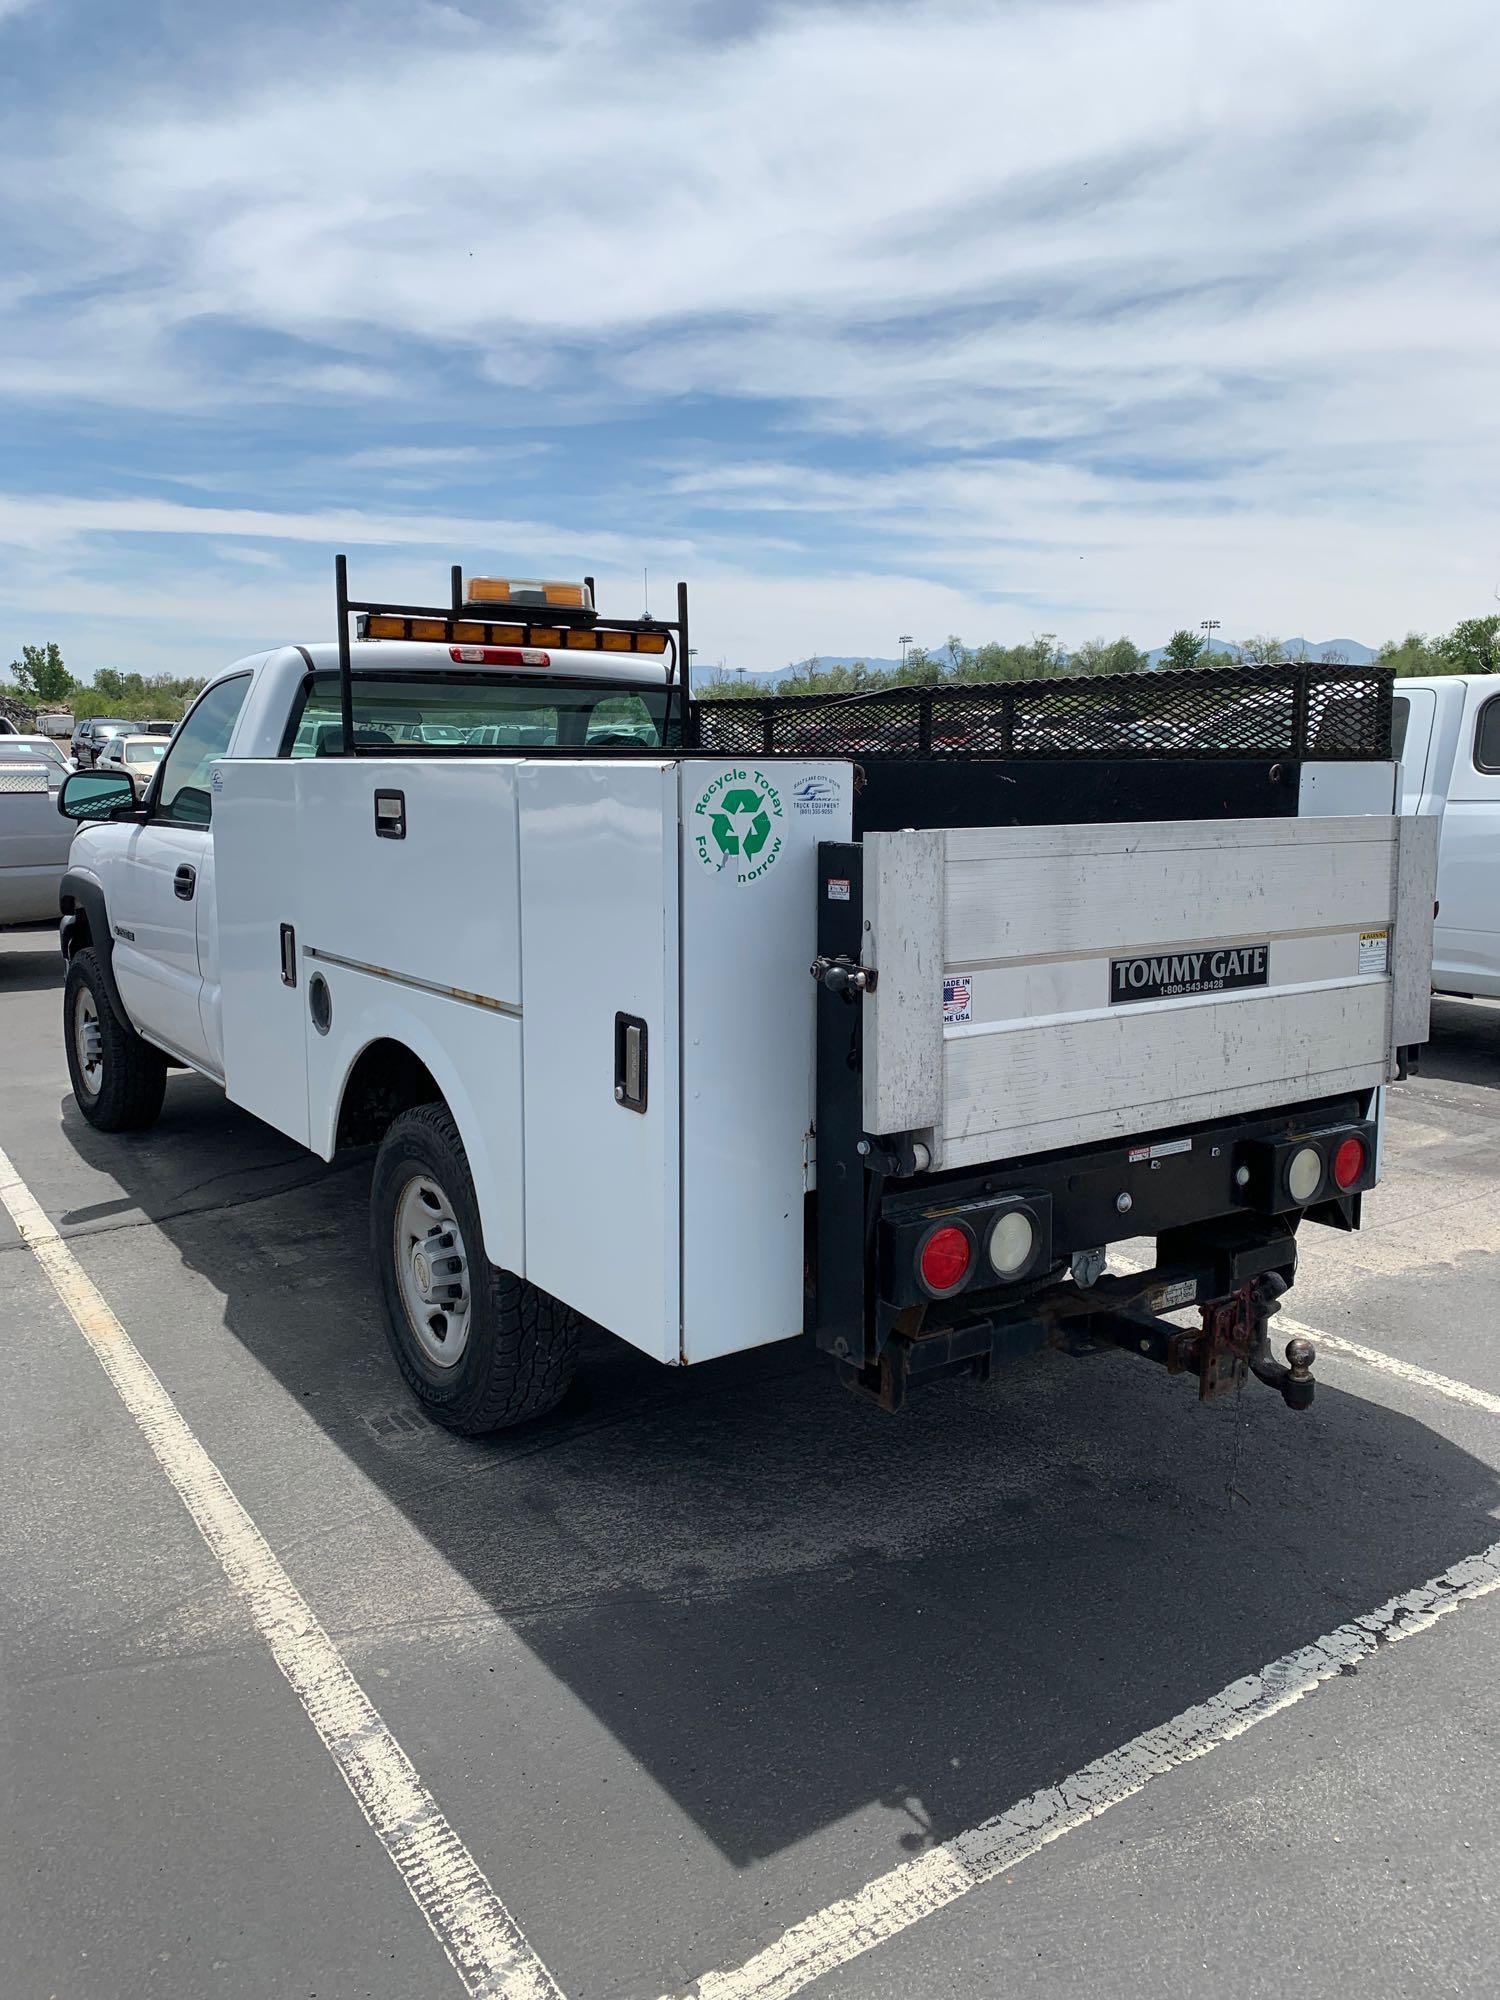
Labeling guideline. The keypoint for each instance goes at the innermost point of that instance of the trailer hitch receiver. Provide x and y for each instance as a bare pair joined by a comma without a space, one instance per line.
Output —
1236,1337
1233,1341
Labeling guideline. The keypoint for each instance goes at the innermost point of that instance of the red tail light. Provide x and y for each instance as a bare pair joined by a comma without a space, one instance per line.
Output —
945,1258
1349,1162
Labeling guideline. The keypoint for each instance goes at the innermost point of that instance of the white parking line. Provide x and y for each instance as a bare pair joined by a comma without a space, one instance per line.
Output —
484,1943
1404,1371
1283,1327
916,1889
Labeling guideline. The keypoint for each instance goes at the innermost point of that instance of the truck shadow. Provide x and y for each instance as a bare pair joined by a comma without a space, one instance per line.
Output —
790,1608
1465,1042
30,961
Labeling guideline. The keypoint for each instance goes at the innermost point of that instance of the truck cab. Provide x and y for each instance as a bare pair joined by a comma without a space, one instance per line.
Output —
151,866
1447,735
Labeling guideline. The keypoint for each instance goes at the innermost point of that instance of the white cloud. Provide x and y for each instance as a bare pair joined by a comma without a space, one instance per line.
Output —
1136,308
413,458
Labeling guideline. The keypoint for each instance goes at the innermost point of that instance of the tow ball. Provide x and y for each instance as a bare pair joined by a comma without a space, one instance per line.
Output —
1236,1336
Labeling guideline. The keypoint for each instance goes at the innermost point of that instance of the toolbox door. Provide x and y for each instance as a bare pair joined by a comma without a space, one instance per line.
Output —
600,1042
257,883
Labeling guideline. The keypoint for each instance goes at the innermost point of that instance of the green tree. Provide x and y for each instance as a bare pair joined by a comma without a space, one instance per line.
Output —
1472,647
1411,655
1184,649
40,675
1262,651
1107,656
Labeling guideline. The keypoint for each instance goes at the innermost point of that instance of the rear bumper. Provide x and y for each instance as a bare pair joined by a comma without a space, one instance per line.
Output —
1213,1196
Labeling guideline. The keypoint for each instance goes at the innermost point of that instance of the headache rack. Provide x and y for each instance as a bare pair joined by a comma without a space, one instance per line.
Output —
466,621
1294,712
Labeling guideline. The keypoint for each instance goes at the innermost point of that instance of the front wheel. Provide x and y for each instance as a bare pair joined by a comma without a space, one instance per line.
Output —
480,1348
118,1079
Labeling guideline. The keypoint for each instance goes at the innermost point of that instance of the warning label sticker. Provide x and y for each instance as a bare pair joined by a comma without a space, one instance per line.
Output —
958,1000
1183,1293
1160,1150
1374,951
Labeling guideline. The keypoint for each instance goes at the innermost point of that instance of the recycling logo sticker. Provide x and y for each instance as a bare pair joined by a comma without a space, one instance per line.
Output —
737,824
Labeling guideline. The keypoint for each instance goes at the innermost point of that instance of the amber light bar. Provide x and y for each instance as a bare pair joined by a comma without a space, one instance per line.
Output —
470,632
572,626
551,596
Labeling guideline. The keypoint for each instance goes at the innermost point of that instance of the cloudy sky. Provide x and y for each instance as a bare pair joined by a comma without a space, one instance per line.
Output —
1083,316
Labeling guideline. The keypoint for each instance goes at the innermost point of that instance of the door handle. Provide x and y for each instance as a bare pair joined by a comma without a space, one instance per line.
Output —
185,881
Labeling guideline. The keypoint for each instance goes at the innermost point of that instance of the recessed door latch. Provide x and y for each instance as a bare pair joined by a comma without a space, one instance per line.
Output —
842,976
390,815
630,1062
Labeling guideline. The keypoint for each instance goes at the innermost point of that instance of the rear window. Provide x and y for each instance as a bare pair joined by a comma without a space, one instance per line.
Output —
473,711
1487,736
1400,722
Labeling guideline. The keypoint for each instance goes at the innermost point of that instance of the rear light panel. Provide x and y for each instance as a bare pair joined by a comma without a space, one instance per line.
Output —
972,1247
1313,1167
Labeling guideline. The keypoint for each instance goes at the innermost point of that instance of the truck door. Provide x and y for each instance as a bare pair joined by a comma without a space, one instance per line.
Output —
1468,932
164,883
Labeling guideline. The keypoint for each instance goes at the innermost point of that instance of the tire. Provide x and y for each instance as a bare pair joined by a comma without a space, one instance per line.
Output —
513,1347
118,1080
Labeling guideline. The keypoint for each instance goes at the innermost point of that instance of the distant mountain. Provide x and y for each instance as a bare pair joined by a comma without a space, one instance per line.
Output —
1354,651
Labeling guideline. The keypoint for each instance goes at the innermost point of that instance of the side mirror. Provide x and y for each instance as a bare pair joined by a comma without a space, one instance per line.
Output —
91,795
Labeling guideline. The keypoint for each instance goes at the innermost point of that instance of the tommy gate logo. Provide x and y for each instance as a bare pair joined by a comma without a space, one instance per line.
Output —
738,826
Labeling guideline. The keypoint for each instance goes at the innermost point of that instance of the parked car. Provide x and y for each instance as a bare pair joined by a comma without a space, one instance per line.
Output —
159,725
1447,735
34,842
136,756
91,735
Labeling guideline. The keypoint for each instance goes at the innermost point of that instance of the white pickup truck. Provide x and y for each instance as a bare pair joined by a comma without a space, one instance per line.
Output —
1447,735
869,1021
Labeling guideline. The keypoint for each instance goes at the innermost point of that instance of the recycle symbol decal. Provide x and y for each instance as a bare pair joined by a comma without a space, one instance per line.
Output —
746,840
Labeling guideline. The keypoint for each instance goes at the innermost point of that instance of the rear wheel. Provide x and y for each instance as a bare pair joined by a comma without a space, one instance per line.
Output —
118,1079
480,1348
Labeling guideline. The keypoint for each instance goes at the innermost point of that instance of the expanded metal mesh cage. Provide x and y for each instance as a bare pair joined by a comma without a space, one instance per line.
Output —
1292,712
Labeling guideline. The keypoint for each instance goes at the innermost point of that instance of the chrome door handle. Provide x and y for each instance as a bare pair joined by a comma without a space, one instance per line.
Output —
185,881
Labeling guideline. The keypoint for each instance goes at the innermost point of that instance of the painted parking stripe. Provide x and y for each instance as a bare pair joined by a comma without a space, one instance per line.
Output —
916,1889
1372,1357
484,1943
1404,1371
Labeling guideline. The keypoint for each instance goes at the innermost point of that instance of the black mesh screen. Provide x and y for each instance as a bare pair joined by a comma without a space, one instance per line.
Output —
1293,712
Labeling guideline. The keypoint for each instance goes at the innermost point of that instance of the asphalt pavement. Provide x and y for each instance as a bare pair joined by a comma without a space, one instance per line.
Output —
708,1653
